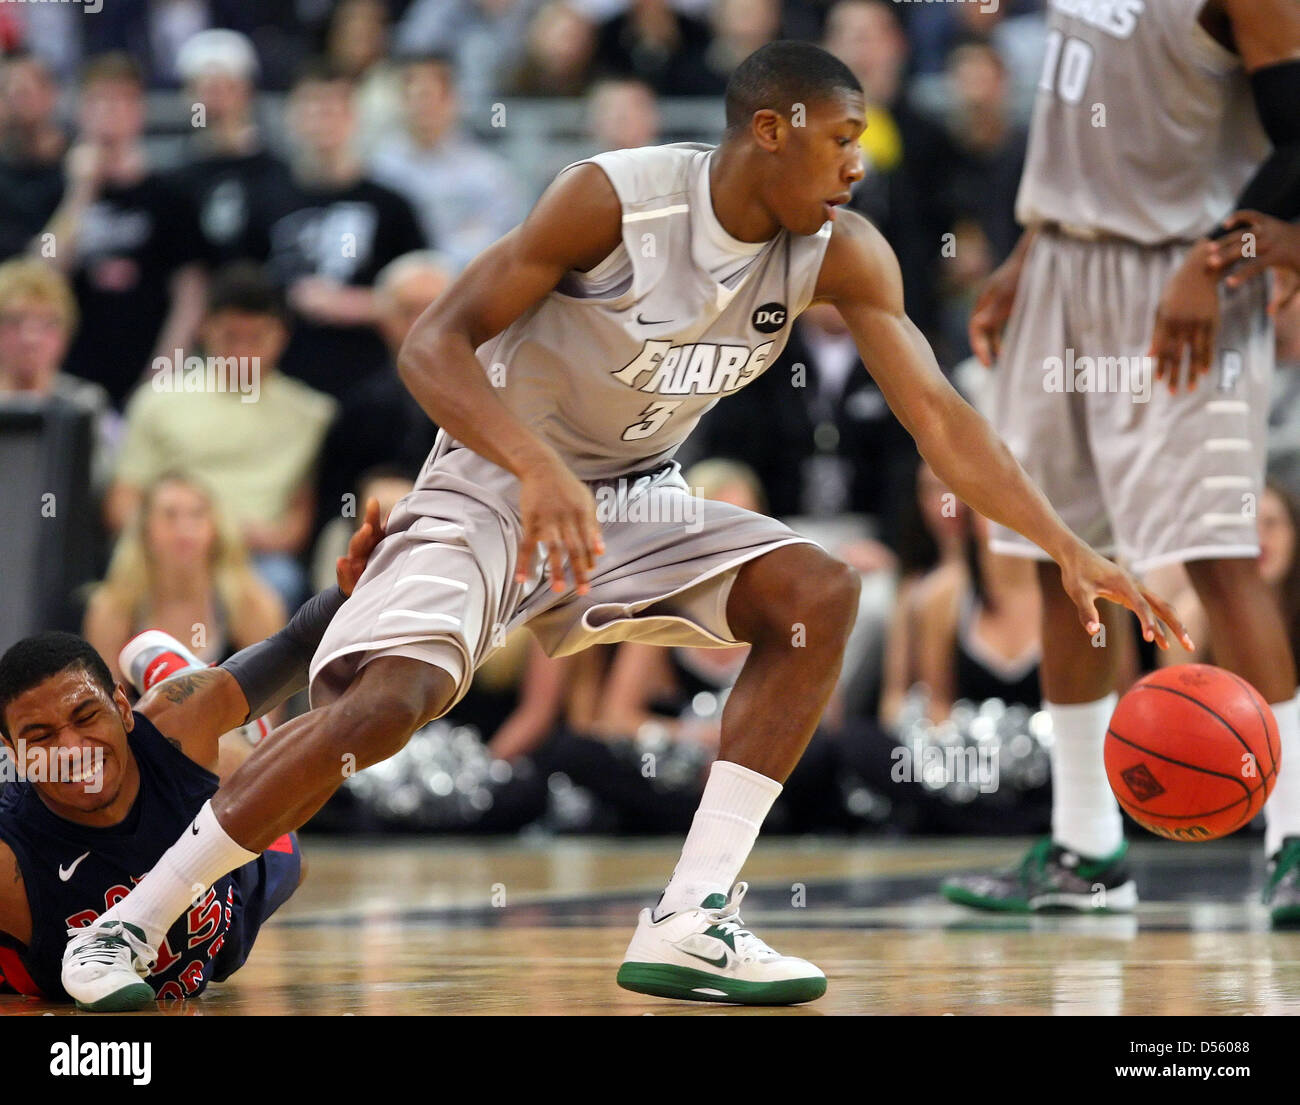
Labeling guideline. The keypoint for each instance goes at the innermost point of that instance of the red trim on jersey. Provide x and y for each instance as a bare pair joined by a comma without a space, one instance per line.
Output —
13,972
284,844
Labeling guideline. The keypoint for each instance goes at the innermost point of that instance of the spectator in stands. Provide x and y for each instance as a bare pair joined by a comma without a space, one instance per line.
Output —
32,145
739,28
127,236
227,168
465,195
665,48
256,440
487,38
1278,521
357,43
622,114
904,153
969,628
558,54
982,179
330,233
181,567
38,316
379,424
1284,412
387,484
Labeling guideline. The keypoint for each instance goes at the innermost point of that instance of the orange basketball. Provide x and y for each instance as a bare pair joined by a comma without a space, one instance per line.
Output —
1192,752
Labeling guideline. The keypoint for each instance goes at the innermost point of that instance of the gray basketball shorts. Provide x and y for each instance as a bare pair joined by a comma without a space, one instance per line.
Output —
1138,473
440,587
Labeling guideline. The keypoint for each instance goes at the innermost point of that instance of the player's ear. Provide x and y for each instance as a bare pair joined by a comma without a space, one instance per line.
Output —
768,129
123,707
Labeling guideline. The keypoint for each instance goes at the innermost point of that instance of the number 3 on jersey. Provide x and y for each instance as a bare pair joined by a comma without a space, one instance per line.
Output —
1067,64
652,421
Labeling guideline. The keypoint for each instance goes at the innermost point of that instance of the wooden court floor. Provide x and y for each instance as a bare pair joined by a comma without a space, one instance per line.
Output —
539,927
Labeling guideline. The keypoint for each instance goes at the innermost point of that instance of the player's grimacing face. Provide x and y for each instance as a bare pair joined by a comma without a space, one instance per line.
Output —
73,740
821,161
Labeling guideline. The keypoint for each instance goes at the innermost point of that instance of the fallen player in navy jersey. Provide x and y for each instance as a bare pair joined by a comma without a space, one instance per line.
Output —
102,790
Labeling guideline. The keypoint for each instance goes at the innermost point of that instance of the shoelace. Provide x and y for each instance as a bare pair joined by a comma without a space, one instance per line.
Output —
101,944
727,918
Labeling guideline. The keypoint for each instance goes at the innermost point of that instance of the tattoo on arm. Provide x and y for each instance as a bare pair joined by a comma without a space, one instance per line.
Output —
183,687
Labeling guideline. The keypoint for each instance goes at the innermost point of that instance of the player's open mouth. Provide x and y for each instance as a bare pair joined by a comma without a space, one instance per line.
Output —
828,206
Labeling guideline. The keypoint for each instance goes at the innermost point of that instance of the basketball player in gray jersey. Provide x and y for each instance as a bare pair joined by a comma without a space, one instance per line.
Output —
565,366
1154,121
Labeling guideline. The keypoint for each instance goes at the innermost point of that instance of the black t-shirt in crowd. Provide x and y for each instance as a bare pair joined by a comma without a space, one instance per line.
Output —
132,241
226,191
29,195
347,234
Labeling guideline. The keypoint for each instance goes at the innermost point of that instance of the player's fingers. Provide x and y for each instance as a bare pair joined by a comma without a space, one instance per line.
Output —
580,562
525,553
981,340
1247,270
1202,346
1127,594
1169,617
555,558
1088,616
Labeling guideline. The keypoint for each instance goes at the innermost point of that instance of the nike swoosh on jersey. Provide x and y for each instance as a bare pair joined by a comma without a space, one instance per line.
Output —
65,873
652,322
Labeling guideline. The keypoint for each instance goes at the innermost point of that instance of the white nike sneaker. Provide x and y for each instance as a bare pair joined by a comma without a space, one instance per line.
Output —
707,954
104,966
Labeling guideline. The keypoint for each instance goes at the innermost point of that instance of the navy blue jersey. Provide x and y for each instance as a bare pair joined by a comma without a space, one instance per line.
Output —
73,873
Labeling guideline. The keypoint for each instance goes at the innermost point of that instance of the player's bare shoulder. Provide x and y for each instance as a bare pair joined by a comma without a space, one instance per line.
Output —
578,219
859,265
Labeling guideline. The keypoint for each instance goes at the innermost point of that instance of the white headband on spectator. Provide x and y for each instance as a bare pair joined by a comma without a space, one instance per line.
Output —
228,51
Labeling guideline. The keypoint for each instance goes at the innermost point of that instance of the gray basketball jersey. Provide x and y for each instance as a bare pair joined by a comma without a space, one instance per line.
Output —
1144,126
615,367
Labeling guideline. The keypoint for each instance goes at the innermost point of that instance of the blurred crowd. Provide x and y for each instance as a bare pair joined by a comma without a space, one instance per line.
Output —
284,186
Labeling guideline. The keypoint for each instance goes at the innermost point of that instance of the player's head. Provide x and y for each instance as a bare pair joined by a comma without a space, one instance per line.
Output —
245,317
64,721
799,113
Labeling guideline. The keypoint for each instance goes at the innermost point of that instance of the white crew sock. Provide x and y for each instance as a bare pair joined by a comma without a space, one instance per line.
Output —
1282,811
735,802
1085,815
198,859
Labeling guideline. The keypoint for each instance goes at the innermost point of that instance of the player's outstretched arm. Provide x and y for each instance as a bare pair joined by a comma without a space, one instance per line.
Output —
576,224
860,276
194,709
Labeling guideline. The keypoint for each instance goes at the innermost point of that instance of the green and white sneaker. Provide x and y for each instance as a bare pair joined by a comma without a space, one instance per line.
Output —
707,954
1051,877
1282,891
104,966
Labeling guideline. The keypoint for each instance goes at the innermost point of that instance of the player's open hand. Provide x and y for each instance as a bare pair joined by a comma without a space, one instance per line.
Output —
1187,321
558,510
992,310
348,568
1254,243
1088,576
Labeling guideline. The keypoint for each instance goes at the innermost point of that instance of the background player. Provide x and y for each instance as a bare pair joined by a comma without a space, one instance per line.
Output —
565,366
73,843
1113,266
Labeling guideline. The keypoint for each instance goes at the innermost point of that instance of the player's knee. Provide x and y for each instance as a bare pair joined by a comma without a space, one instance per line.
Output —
391,700
824,603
